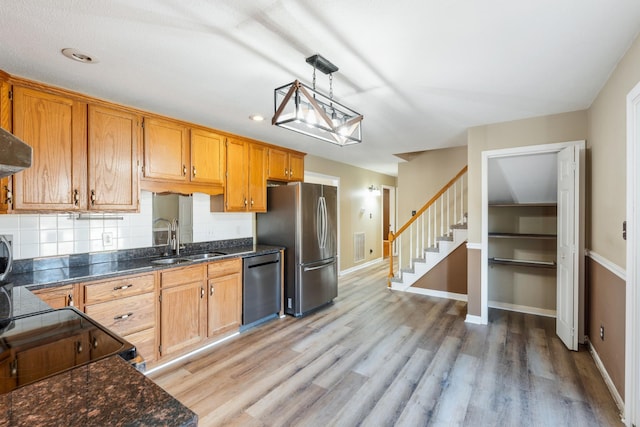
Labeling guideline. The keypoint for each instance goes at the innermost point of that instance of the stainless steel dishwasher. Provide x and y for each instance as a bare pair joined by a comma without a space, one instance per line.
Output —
261,288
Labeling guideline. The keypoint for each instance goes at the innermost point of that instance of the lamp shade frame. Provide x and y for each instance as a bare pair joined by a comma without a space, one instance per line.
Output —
304,110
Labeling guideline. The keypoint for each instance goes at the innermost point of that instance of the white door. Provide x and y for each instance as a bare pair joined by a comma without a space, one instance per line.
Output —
567,272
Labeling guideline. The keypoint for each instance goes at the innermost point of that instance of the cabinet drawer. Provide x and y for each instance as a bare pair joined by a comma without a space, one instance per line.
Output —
180,276
224,268
126,315
118,288
145,342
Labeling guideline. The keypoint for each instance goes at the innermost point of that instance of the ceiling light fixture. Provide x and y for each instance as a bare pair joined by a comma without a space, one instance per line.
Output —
76,55
256,117
303,109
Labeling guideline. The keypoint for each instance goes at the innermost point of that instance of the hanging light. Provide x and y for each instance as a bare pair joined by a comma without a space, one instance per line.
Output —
303,109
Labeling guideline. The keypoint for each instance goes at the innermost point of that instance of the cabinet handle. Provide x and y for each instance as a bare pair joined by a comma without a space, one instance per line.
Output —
9,195
245,201
184,170
194,171
79,347
70,304
286,172
93,197
13,368
201,292
76,197
291,173
123,316
211,290
252,202
123,287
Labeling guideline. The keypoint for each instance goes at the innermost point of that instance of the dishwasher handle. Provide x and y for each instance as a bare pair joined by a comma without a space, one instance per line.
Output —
263,264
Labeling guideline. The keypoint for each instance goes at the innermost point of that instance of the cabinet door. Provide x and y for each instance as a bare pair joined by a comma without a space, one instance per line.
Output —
58,297
113,159
296,167
257,178
278,165
5,123
207,157
55,127
236,185
225,304
165,150
182,317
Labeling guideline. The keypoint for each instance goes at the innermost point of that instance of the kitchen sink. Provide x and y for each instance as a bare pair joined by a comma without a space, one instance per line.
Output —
169,261
208,255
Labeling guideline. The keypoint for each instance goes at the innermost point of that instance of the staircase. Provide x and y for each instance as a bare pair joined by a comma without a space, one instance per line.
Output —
435,231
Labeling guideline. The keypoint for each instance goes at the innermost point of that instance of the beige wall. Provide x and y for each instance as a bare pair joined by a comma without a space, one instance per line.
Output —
423,176
607,146
354,196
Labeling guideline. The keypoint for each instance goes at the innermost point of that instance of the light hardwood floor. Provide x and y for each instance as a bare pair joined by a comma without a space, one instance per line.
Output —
380,358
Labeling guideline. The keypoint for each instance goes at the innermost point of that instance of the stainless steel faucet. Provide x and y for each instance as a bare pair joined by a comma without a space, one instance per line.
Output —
175,239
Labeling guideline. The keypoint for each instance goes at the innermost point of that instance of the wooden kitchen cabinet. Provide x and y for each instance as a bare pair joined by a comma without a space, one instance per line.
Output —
224,288
6,194
59,296
207,157
112,159
126,306
55,127
183,308
166,150
285,165
246,183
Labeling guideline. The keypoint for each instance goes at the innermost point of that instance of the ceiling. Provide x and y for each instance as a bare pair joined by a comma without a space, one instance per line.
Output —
420,71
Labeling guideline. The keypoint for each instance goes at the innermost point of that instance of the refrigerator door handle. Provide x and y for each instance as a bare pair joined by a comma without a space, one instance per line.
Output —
321,224
318,267
325,223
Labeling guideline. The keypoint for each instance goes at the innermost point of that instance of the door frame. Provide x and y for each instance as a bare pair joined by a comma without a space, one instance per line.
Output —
392,215
580,213
632,329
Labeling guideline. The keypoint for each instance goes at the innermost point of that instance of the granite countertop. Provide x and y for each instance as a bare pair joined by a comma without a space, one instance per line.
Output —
109,391
59,271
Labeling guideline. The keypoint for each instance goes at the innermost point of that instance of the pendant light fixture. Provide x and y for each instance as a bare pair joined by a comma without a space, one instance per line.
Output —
305,110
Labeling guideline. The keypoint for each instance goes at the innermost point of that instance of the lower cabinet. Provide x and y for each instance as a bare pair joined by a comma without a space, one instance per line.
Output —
225,296
127,307
183,308
58,297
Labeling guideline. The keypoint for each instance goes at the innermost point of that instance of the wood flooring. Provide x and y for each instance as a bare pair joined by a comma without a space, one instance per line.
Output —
381,358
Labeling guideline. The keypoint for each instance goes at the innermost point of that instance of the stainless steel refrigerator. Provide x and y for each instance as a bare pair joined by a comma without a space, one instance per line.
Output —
302,217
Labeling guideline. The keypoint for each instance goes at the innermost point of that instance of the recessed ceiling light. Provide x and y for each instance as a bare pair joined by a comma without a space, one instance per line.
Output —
76,55
256,117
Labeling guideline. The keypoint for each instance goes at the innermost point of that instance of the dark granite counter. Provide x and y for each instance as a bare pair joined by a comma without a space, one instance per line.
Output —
57,271
109,392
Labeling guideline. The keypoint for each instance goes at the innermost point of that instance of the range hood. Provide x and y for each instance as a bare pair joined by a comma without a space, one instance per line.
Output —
15,155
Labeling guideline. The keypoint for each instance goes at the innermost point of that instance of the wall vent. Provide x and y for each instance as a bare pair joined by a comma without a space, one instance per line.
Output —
358,247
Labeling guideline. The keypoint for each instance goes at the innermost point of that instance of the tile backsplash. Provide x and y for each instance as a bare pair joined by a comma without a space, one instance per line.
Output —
41,235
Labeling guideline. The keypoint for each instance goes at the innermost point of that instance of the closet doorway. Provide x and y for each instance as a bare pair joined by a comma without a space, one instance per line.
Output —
533,234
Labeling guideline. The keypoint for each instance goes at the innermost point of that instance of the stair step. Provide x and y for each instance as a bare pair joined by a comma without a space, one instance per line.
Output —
444,238
459,226
432,249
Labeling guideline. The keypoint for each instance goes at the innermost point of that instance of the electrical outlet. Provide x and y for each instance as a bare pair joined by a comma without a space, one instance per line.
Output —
107,239
602,332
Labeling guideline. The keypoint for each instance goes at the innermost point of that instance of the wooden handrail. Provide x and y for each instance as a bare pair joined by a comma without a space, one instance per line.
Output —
394,236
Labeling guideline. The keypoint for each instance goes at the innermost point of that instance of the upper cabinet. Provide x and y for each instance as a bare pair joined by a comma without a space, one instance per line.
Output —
184,159
285,165
112,174
207,157
6,194
55,127
246,184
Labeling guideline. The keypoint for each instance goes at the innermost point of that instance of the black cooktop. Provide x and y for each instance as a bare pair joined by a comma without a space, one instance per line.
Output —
43,343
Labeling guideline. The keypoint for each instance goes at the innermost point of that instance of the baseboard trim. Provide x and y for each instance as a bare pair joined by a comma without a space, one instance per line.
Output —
474,246
611,266
522,309
607,379
437,294
476,320
361,266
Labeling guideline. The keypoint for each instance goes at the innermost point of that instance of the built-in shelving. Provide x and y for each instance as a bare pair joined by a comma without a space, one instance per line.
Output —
522,236
541,205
